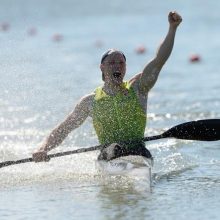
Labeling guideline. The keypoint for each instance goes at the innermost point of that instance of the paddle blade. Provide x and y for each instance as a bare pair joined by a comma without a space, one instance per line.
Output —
201,130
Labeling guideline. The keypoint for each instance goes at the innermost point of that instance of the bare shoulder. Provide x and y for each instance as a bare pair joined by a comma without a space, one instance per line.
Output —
134,81
86,103
87,100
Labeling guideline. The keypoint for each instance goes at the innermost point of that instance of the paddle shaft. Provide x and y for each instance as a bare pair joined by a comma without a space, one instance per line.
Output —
202,130
30,159
81,150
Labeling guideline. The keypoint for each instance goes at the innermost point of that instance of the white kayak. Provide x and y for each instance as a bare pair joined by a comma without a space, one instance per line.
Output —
134,166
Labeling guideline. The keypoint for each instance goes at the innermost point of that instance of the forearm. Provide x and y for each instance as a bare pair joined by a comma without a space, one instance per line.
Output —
151,71
56,137
166,47
73,121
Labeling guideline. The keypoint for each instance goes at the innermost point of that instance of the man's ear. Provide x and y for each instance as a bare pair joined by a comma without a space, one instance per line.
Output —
101,67
102,70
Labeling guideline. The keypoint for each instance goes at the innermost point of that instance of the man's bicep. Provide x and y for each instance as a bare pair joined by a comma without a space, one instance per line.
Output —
149,76
81,111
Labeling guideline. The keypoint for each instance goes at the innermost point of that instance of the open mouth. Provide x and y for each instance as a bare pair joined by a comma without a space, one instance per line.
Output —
116,74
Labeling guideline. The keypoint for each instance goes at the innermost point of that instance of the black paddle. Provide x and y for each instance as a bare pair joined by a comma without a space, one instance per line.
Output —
201,130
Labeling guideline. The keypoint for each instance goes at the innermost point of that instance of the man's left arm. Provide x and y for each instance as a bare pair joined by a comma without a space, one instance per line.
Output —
146,80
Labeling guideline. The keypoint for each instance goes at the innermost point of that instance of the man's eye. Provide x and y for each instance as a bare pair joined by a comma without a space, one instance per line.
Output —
112,62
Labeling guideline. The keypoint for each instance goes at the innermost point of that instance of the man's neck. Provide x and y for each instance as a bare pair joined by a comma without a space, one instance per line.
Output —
111,89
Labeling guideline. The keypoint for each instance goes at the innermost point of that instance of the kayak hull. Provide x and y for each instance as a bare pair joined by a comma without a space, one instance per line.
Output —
136,167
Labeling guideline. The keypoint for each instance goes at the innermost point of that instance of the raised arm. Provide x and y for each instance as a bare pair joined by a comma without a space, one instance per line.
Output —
144,81
73,121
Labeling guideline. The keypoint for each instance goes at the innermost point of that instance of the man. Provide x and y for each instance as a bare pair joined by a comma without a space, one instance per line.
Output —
118,108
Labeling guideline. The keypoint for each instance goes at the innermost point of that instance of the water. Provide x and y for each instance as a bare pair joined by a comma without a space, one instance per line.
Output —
42,80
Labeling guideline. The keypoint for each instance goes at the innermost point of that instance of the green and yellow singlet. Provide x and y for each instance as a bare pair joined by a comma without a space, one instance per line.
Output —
118,118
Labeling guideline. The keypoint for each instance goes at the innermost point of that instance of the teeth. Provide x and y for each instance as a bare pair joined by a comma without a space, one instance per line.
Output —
116,74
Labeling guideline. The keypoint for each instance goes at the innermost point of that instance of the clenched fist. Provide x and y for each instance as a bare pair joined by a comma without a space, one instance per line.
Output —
40,156
174,19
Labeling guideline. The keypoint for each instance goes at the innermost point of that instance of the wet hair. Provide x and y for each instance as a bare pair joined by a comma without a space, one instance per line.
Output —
110,51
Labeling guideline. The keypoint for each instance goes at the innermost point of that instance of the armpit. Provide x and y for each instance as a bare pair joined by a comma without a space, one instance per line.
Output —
134,81
135,78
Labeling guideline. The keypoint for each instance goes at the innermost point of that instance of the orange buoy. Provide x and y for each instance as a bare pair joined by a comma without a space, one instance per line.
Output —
140,49
57,37
4,26
195,58
32,31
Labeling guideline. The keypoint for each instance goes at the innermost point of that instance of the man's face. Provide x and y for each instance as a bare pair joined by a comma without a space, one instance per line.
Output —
113,68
